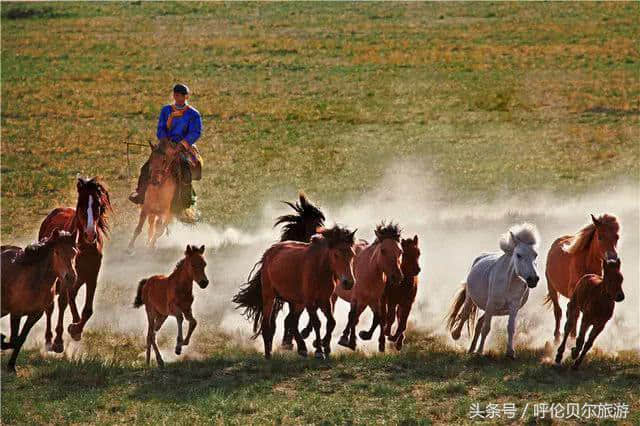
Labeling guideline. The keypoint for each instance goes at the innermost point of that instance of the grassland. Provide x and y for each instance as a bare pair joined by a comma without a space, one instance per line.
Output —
489,98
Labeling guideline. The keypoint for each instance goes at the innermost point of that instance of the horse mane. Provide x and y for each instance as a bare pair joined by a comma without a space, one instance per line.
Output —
36,252
96,185
582,239
295,225
334,236
390,231
525,233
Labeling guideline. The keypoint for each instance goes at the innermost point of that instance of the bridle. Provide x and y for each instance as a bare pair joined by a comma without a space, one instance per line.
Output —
167,164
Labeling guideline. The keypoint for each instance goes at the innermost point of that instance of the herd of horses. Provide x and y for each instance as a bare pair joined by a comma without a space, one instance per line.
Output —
309,269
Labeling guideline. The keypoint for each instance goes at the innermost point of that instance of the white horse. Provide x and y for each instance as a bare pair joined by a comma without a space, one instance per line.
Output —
498,283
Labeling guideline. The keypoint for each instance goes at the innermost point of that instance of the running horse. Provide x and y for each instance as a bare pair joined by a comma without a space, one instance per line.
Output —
305,275
28,279
88,222
573,256
159,195
376,266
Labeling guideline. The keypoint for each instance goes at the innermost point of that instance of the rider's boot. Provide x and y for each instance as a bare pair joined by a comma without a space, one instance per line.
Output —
137,196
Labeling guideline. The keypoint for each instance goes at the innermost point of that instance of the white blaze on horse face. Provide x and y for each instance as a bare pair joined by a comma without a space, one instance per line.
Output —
91,225
524,259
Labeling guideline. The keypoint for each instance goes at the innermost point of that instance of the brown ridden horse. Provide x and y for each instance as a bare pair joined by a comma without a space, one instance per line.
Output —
28,278
164,165
595,297
375,266
572,256
173,295
305,275
89,222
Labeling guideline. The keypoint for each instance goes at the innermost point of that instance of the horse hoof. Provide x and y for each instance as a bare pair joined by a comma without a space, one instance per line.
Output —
75,331
48,347
575,366
399,345
178,350
303,354
391,338
267,356
11,369
574,353
305,333
345,342
455,334
381,347
287,346
319,355
58,347
364,335
511,355
130,251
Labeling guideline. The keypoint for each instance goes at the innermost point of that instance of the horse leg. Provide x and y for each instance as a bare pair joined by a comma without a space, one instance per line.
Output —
597,328
48,335
557,310
366,335
463,316
331,325
317,343
138,230
74,331
268,299
151,338
476,334
192,325
584,325
403,314
31,320
287,338
15,330
382,315
511,329
392,309
151,231
179,319
58,346
572,319
302,347
486,327
87,311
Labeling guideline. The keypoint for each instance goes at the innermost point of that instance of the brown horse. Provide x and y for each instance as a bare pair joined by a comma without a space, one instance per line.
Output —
28,278
173,295
595,297
305,275
375,266
158,199
572,256
89,222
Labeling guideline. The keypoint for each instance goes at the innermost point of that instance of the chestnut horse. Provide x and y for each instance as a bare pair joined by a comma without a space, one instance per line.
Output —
173,295
28,278
375,266
595,297
305,275
572,256
89,223
164,164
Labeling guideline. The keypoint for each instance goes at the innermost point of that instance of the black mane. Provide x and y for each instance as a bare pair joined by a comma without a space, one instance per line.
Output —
300,226
384,231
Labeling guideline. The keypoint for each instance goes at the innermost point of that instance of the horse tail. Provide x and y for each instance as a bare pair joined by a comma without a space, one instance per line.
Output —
456,318
138,300
249,298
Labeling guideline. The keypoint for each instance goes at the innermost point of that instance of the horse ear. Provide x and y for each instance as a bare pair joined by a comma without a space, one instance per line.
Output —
188,250
595,221
353,234
513,237
201,250
415,239
81,181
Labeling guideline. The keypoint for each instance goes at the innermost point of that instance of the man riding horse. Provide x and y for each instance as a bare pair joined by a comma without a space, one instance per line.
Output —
179,124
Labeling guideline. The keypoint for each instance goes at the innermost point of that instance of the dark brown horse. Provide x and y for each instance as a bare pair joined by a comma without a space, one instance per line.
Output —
28,279
173,295
376,266
572,256
305,275
89,223
594,297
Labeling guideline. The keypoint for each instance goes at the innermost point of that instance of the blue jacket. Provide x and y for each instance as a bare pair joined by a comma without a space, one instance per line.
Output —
187,127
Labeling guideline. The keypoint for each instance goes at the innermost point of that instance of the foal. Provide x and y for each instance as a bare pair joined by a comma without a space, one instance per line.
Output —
172,295
595,297
28,283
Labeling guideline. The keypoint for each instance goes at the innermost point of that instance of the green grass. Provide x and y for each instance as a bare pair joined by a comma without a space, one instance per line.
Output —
487,98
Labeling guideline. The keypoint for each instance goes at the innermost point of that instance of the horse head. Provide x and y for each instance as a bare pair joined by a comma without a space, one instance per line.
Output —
390,259
612,279
93,204
339,243
163,156
64,254
606,235
195,264
410,256
521,245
